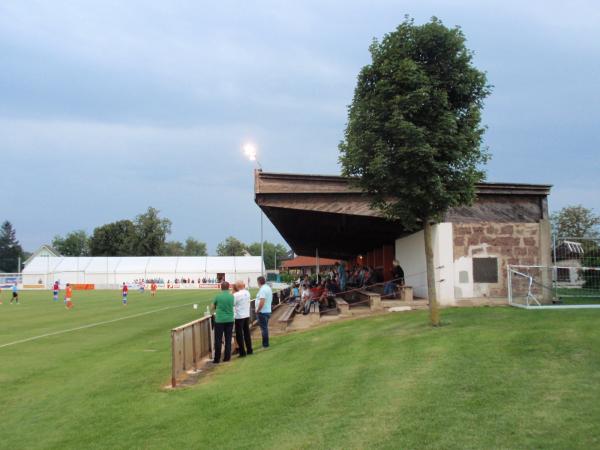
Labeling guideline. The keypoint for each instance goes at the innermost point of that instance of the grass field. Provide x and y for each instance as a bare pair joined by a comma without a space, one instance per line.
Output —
489,378
578,296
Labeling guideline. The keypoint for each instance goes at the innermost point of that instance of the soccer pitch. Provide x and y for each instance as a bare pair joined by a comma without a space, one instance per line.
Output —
489,378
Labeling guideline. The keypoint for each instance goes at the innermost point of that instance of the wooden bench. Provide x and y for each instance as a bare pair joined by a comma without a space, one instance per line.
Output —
287,317
342,306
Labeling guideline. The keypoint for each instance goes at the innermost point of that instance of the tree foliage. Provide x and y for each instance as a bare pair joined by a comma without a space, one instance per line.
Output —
194,247
10,249
114,239
173,248
151,233
271,252
414,136
75,243
575,221
231,247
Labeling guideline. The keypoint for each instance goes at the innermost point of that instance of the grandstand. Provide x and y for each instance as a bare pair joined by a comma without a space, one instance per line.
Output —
100,272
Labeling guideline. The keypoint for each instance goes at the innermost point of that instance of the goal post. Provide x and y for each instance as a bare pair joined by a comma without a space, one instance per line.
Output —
553,287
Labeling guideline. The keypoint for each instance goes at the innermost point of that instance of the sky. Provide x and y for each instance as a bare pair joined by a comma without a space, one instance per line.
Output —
108,107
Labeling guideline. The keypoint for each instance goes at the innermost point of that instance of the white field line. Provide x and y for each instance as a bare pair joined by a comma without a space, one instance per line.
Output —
54,333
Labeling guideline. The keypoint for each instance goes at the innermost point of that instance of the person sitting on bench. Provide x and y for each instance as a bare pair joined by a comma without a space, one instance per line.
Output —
390,288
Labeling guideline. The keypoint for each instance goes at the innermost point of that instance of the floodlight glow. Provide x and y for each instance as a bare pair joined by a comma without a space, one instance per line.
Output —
250,151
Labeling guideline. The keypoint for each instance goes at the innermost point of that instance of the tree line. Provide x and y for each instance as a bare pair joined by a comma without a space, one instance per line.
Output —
146,235
272,253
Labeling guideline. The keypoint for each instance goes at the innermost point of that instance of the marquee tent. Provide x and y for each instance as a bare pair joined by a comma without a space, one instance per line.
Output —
110,272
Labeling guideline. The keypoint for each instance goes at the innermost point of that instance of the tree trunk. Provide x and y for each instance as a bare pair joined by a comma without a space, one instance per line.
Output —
434,314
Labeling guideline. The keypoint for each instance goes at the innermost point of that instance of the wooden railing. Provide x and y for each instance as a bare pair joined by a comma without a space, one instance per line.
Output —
190,344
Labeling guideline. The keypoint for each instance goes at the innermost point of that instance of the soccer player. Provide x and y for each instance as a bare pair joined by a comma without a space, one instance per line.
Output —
153,287
125,292
55,290
68,296
142,286
15,294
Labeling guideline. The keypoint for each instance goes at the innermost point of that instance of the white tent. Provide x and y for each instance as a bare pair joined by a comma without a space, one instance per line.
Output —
110,272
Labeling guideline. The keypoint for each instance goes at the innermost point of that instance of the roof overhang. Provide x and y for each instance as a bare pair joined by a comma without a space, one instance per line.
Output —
331,214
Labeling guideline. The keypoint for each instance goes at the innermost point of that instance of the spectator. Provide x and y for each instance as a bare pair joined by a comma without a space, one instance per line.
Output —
242,318
223,307
390,287
342,275
295,293
264,299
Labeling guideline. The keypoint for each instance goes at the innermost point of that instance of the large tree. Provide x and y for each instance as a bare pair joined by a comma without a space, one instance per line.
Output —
75,243
575,221
10,249
414,136
114,239
151,233
231,247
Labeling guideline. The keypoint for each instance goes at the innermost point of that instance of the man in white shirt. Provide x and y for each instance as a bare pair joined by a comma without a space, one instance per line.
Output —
241,307
264,298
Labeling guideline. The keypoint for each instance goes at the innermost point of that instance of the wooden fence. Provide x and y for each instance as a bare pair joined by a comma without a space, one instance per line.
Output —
190,344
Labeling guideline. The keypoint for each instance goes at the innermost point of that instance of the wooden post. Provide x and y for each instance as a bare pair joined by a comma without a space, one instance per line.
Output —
173,360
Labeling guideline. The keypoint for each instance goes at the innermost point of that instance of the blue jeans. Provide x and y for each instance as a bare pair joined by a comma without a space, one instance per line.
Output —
263,323
390,288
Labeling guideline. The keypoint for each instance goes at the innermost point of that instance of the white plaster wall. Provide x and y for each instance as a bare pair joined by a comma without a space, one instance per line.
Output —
410,253
443,257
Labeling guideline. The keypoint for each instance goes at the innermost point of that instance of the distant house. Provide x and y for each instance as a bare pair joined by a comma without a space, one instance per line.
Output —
44,251
567,257
301,265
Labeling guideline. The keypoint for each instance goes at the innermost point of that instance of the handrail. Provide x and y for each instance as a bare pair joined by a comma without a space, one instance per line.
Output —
185,325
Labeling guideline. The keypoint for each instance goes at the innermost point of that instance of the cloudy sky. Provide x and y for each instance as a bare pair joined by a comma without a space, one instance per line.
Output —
108,107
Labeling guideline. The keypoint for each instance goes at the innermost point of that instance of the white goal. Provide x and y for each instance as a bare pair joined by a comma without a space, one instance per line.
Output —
554,287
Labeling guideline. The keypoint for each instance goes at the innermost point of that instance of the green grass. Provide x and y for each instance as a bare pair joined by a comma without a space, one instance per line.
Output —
578,296
489,378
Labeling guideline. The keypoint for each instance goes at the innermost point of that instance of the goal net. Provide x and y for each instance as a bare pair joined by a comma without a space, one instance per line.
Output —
544,287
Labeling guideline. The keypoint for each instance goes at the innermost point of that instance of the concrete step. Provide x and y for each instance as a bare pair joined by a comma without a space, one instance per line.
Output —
412,304
360,310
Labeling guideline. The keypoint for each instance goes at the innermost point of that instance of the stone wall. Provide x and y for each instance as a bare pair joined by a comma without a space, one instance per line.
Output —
511,243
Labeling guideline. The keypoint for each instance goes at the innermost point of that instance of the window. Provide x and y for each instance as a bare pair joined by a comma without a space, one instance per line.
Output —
563,275
485,270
